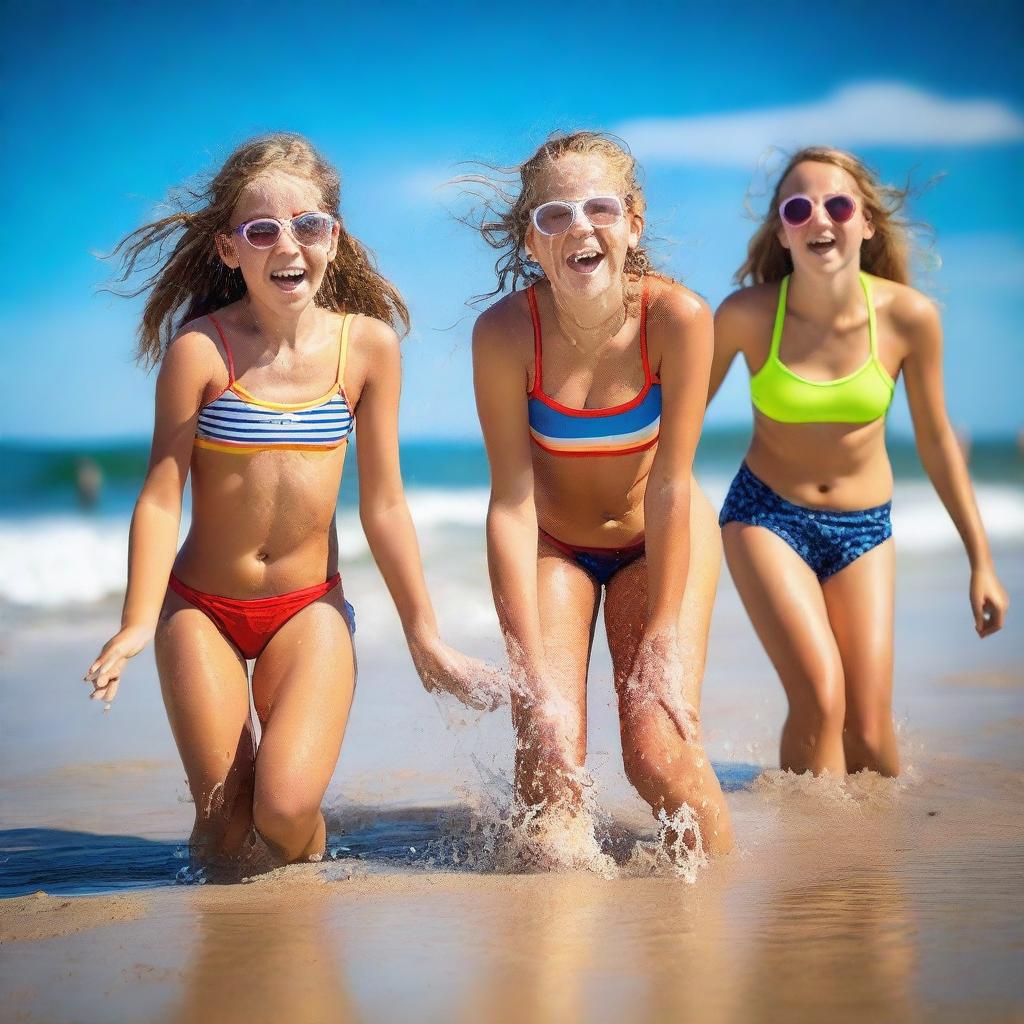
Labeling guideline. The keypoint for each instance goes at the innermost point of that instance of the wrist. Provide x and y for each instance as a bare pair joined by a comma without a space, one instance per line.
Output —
422,639
144,625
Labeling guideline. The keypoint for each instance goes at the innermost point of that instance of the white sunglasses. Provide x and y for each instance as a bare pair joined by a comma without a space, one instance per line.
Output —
560,214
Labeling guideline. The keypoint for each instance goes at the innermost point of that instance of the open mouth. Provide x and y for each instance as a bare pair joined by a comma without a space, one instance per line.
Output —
585,262
822,245
288,280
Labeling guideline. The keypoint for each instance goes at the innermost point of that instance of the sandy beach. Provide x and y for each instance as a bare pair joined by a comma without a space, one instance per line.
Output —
868,900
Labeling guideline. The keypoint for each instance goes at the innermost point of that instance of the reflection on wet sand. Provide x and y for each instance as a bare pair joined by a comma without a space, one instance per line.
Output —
269,958
539,953
837,950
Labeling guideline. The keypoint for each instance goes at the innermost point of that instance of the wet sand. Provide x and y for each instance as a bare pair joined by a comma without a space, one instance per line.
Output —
871,900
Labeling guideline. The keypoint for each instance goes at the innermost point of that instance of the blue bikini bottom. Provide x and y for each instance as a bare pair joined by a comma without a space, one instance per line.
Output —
601,563
825,539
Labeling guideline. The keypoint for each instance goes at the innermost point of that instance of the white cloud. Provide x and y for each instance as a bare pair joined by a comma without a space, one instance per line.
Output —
866,114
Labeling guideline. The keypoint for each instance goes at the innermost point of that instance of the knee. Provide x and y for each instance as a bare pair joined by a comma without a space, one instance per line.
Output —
870,730
283,817
661,752
822,706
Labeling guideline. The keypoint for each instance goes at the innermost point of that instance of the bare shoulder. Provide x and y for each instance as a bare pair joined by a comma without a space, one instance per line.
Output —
910,312
196,353
373,337
504,329
674,305
750,306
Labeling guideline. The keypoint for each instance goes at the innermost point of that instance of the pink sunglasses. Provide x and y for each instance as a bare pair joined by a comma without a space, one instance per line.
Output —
797,210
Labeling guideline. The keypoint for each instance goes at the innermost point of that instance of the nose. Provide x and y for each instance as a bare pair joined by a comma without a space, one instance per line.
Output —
581,226
286,241
819,216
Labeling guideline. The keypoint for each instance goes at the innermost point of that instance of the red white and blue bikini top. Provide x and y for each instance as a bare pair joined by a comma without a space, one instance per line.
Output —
239,422
619,430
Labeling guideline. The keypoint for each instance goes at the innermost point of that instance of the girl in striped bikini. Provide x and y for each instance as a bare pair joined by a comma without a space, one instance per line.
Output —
590,388
272,329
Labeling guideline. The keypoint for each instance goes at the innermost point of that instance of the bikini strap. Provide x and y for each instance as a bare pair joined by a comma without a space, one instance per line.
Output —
648,376
531,297
346,324
780,319
865,283
227,348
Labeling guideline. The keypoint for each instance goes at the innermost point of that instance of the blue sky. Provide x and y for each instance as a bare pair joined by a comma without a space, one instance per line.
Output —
107,109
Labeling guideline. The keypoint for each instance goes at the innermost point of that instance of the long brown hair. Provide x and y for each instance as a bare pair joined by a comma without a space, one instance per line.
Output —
885,254
192,281
505,205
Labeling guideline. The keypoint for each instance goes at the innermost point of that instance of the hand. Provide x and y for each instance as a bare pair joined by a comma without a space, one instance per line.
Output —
105,672
471,681
989,601
657,677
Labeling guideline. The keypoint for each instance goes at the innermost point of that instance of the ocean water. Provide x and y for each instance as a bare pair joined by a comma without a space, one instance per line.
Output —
54,554
846,900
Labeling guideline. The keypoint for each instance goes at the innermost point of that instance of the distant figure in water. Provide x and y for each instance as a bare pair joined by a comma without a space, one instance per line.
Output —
825,328
88,482
275,336
591,376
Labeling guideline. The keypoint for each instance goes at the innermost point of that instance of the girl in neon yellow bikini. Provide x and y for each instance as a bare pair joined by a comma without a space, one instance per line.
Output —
827,326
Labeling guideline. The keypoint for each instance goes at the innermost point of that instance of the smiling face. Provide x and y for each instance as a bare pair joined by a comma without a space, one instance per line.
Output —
287,275
823,245
584,260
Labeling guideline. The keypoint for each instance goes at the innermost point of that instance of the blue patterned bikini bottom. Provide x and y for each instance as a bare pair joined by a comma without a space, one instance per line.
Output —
825,539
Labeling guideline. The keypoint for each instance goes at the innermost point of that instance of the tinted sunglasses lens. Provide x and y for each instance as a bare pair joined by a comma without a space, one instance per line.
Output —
602,211
262,234
840,208
796,211
312,228
553,218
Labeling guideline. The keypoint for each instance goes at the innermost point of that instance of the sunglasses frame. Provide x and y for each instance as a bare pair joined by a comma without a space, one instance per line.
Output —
822,202
576,209
281,225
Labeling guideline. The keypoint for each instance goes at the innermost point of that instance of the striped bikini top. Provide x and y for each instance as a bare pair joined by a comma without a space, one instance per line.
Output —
786,397
239,422
619,430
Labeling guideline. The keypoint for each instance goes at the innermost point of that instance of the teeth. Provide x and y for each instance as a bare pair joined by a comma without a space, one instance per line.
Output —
583,255
287,273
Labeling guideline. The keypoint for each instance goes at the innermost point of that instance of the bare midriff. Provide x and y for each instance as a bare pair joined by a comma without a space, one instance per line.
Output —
595,501
841,466
260,522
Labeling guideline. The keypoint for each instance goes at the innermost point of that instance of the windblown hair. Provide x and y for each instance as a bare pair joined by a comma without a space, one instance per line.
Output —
507,204
191,280
885,254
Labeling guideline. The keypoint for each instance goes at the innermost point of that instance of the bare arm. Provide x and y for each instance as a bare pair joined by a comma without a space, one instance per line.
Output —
500,385
730,330
382,506
392,537
941,456
185,374
685,364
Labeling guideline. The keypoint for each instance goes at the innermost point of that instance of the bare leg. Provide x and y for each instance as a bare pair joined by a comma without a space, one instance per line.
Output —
860,601
667,768
785,603
302,685
551,728
206,692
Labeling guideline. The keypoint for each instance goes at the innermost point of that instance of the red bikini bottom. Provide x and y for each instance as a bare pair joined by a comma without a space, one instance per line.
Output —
249,625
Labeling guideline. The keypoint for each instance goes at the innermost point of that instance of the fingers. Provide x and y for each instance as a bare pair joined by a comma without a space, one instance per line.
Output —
107,692
991,619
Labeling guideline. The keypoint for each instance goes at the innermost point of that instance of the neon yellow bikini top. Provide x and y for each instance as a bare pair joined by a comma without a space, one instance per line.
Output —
785,396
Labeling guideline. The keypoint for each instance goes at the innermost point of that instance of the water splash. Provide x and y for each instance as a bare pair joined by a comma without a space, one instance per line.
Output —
678,848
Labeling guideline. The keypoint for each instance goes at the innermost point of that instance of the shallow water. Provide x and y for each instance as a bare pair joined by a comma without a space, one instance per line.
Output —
869,899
